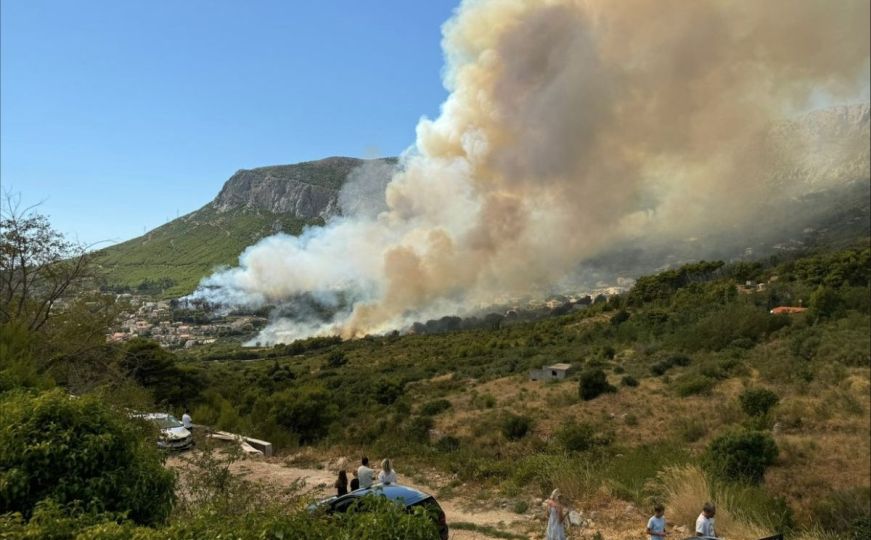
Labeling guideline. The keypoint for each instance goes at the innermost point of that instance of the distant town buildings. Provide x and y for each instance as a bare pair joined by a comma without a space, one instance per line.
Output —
156,320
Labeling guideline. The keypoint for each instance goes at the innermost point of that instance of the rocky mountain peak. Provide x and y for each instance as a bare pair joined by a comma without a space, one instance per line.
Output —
306,190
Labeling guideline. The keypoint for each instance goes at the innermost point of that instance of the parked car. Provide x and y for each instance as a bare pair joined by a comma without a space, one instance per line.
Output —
173,435
404,495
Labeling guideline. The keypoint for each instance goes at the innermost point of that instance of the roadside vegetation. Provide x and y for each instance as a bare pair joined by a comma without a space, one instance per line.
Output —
684,389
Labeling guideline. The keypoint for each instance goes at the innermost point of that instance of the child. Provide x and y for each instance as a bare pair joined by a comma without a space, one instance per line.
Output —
656,523
355,482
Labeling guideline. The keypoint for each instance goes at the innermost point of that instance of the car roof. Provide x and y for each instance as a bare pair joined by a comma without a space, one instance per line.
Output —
395,492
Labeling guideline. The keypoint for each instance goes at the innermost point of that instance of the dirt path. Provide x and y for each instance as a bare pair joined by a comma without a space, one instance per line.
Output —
318,484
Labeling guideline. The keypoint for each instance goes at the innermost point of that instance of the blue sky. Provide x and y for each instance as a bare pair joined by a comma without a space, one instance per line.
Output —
119,115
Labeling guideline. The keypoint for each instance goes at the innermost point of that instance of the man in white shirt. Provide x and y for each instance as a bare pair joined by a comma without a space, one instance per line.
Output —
705,521
365,474
186,421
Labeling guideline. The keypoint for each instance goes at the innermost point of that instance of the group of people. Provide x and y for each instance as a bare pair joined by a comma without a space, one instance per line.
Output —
556,514
364,476
704,523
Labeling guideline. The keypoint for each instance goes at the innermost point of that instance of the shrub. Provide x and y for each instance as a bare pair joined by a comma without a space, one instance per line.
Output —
418,428
620,317
387,391
576,437
516,427
691,429
679,360
447,444
336,359
306,411
520,507
594,383
432,408
660,368
692,384
629,380
65,450
741,456
758,401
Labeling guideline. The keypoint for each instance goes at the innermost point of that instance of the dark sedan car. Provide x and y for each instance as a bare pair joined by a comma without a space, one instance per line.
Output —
404,495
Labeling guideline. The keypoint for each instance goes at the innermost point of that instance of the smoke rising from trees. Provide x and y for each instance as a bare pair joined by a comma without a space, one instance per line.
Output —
570,126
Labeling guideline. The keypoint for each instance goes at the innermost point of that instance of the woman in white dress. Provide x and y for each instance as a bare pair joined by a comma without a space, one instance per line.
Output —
556,513
387,474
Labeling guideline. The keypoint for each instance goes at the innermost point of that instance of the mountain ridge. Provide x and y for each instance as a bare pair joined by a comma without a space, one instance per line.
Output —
824,149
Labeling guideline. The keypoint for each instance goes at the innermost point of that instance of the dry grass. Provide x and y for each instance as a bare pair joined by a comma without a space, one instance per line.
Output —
686,489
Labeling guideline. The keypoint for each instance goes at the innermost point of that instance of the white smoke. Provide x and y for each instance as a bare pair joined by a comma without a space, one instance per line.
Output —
570,125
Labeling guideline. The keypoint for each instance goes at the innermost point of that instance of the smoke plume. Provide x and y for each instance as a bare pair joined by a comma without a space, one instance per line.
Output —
571,125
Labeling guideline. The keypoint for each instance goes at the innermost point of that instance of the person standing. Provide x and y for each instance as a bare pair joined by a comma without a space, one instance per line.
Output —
341,484
364,473
387,474
705,521
186,421
556,513
656,523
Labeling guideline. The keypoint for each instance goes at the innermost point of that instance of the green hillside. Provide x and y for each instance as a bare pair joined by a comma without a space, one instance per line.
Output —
171,259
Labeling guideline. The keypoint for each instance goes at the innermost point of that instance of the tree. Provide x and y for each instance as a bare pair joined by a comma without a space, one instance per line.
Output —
38,267
306,411
57,448
824,302
594,382
148,364
44,293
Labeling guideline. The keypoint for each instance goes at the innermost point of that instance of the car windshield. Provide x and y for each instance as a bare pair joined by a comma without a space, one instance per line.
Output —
167,422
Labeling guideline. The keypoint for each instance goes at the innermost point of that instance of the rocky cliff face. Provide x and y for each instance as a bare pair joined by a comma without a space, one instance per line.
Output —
306,190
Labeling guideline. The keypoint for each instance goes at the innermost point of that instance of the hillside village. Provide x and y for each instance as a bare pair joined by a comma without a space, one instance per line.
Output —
160,321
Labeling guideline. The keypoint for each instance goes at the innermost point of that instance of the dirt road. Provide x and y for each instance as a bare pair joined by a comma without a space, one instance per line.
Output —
318,483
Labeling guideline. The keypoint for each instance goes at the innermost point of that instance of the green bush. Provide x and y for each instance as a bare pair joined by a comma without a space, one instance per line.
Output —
660,368
620,317
432,408
580,437
594,383
741,456
447,444
306,411
515,427
692,384
388,391
75,450
758,401
629,380
418,428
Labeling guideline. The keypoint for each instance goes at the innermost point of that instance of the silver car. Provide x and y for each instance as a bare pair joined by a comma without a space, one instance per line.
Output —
173,435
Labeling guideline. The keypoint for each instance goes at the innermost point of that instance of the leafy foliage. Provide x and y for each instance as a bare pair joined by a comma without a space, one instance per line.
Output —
432,408
593,383
306,411
55,447
741,456
758,401
579,437
515,427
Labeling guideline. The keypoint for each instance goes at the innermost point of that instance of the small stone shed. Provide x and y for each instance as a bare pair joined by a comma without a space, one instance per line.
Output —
555,372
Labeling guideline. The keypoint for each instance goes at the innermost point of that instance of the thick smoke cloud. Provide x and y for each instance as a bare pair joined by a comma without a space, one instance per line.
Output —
570,126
